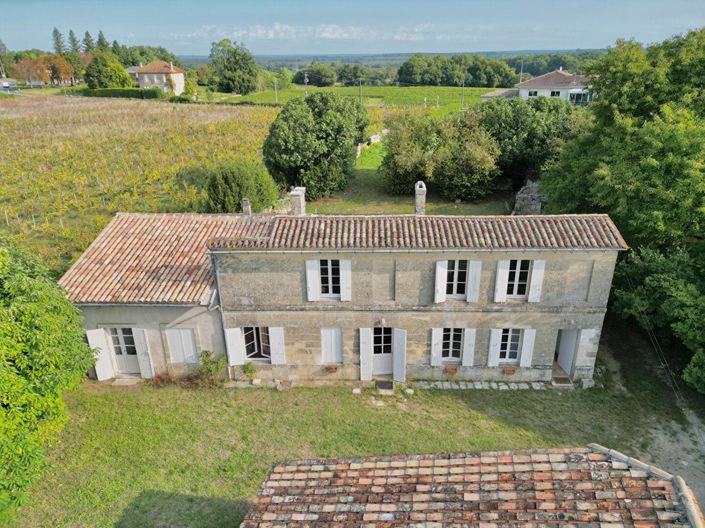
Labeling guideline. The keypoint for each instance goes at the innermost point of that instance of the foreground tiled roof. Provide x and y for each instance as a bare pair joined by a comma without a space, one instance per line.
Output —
581,487
549,232
151,258
160,66
555,78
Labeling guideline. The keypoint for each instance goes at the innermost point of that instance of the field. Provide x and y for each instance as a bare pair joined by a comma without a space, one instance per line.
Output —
443,97
67,164
186,457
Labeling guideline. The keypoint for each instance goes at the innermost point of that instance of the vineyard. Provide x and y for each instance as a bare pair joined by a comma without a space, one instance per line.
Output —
67,164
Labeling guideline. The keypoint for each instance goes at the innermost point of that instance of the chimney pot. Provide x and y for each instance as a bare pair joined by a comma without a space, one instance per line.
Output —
420,198
298,200
246,206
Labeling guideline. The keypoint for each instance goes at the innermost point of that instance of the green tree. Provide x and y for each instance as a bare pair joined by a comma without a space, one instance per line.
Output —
59,42
312,143
318,75
284,78
105,71
74,43
102,42
42,354
233,68
473,70
351,74
88,43
228,183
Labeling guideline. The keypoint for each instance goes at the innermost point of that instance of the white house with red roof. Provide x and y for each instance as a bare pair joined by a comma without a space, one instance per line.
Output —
558,84
162,74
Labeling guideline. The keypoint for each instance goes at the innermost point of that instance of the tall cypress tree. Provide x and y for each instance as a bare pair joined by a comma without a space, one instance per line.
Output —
102,43
88,42
74,43
59,43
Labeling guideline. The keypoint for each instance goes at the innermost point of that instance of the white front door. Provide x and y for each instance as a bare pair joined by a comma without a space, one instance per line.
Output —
567,345
382,363
124,349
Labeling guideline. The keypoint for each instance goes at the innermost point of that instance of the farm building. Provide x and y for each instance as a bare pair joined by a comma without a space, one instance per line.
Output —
335,298
590,486
558,84
162,74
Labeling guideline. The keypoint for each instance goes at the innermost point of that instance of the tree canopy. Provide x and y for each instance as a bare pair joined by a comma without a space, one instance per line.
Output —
312,142
105,71
318,75
42,353
441,70
228,183
232,68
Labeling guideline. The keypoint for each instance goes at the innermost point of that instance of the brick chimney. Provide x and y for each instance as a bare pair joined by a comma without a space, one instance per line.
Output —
246,206
298,200
420,198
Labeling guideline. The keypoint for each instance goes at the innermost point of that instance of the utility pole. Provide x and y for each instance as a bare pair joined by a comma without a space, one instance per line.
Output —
437,105
359,89
424,102
276,94
521,73
462,95
306,83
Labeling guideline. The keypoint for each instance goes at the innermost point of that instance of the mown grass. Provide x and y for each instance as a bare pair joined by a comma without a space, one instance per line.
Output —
176,456
366,194
446,97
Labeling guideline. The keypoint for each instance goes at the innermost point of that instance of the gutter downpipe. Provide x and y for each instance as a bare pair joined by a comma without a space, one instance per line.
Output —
214,267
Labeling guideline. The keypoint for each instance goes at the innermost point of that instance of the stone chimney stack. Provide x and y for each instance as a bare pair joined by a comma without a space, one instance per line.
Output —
171,66
246,206
420,198
298,200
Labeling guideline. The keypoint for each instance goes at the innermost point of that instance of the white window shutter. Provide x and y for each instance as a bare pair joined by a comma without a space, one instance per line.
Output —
436,347
468,359
143,356
235,346
500,285
527,347
276,345
441,281
495,342
331,345
536,281
399,355
313,280
182,345
345,280
365,354
473,287
98,341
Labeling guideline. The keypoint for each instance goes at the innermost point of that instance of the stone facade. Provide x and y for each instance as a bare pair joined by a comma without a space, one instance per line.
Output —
396,289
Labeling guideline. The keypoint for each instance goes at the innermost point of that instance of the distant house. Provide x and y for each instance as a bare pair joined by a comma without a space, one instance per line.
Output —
162,74
132,71
558,84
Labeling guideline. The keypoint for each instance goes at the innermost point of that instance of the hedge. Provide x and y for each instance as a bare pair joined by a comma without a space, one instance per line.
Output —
130,93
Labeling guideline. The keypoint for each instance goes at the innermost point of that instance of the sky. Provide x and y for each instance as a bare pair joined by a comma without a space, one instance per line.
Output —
188,27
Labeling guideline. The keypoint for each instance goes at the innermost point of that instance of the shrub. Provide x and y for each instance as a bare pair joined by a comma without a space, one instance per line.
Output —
249,370
228,183
127,93
42,353
312,143
211,368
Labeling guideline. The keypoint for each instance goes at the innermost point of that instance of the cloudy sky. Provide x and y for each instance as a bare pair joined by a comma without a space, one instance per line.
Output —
360,26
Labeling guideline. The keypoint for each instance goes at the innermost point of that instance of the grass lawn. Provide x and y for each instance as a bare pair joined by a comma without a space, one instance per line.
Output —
446,97
366,195
52,90
176,456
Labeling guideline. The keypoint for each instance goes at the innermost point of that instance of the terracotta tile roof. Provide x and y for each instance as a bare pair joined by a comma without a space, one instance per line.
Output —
402,232
160,66
555,78
152,258
580,487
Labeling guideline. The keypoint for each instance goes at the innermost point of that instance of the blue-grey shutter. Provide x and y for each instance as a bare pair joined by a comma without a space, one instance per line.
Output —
235,346
527,347
436,347
441,281
536,281
468,359
143,356
276,345
97,340
399,355
365,354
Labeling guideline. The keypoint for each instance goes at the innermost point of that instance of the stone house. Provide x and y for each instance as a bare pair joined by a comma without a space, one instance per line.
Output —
335,298
162,74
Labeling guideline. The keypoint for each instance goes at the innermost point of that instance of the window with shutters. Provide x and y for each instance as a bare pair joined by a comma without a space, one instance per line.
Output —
257,342
452,344
456,282
382,340
182,345
509,345
330,278
518,278
123,341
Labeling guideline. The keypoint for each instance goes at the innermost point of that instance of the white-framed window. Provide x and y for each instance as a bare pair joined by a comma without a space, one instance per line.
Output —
452,346
331,345
555,93
382,340
257,344
123,341
330,278
456,282
182,345
533,93
518,278
509,345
